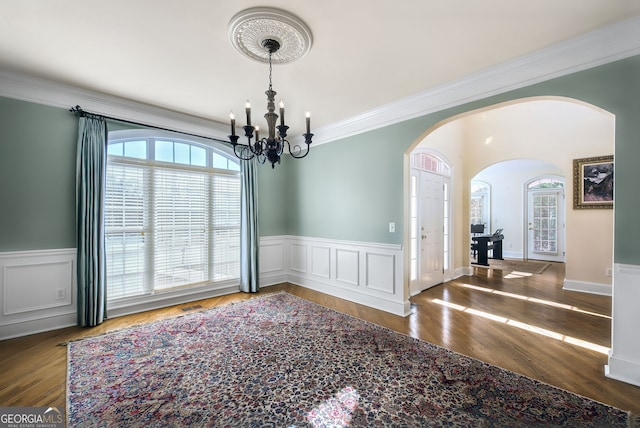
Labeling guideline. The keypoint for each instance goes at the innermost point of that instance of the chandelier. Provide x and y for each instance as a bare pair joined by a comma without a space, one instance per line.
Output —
269,35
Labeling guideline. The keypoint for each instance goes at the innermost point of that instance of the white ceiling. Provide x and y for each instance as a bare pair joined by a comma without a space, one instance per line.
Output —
365,54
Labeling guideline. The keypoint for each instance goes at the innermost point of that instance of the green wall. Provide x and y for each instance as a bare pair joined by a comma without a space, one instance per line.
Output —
349,189
274,216
352,188
37,176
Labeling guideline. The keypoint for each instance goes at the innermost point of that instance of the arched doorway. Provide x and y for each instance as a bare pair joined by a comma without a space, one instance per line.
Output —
524,198
552,129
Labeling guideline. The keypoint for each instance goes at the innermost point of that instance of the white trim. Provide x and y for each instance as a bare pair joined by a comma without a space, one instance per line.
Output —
363,272
40,91
587,287
622,369
29,285
157,301
624,357
596,48
589,50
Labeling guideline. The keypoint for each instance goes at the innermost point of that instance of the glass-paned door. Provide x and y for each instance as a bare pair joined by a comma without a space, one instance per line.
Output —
545,225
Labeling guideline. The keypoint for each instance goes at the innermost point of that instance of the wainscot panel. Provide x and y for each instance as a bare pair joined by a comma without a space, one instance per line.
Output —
347,266
333,267
321,261
298,257
624,356
38,291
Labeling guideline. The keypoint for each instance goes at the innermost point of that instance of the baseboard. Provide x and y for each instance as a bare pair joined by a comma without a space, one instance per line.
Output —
623,370
393,307
27,328
268,280
466,270
512,254
162,301
587,287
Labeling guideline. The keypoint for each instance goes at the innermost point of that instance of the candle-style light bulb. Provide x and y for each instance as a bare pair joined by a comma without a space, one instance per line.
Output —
308,116
257,134
248,111
233,123
281,112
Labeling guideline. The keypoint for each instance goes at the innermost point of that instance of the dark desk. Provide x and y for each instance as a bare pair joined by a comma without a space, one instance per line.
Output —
483,243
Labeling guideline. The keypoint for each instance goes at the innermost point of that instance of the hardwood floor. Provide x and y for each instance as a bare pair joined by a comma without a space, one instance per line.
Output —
526,324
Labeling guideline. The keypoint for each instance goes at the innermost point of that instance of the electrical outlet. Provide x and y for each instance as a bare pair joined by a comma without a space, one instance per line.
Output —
608,272
392,227
60,294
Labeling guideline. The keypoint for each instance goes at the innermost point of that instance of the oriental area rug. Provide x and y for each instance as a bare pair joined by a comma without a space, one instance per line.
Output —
281,361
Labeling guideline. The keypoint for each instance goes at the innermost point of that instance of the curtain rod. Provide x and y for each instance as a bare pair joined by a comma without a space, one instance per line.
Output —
78,111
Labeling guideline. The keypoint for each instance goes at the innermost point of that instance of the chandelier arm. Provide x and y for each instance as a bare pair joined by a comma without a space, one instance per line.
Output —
259,147
242,153
297,149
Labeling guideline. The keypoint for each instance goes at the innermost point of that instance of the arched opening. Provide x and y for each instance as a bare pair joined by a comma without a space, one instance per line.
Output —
543,129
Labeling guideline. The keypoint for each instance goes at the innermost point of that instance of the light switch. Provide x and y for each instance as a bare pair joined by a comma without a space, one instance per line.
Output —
392,227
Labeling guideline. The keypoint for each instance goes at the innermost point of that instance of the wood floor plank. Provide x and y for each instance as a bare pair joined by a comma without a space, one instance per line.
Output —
524,324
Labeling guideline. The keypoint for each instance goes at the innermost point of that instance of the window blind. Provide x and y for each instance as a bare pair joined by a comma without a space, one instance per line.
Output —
126,229
169,225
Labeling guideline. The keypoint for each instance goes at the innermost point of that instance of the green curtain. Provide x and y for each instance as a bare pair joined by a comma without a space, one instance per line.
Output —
249,236
90,188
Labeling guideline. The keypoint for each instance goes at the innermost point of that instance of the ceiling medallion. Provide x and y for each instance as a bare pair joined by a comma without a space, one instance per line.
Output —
249,28
269,35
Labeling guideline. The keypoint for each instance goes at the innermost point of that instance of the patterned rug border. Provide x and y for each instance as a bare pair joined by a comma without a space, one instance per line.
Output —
633,421
151,323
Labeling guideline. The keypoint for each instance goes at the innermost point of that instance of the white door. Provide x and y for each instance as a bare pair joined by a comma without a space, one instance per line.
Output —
431,231
545,225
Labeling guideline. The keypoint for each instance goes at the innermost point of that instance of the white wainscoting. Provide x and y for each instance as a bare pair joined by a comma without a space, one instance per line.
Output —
367,273
38,291
624,356
38,288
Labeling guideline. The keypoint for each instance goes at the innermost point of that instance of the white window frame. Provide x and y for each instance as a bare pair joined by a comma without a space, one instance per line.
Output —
484,195
151,297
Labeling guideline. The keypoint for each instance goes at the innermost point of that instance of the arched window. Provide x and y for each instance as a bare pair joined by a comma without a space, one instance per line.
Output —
431,163
172,213
545,183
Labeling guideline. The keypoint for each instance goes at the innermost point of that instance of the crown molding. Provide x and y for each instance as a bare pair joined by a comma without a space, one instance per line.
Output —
40,91
589,50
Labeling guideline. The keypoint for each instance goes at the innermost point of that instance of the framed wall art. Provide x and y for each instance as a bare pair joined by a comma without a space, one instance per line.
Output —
593,182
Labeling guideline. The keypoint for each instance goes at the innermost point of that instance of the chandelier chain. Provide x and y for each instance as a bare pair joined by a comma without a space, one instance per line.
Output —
271,147
270,71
